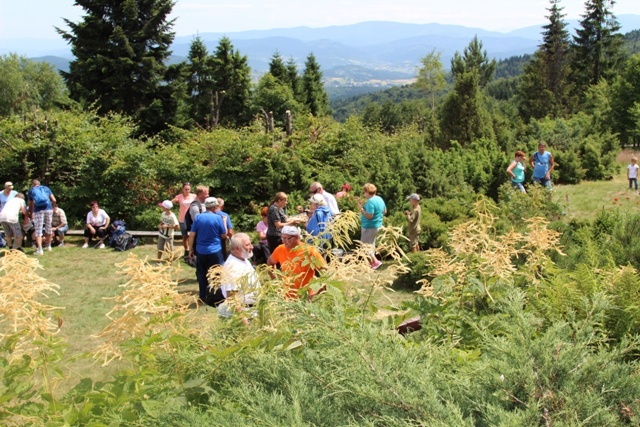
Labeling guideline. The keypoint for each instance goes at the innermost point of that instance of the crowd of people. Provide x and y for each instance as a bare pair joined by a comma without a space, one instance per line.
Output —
208,237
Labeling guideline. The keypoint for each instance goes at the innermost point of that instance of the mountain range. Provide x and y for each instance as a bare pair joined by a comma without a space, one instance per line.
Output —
368,53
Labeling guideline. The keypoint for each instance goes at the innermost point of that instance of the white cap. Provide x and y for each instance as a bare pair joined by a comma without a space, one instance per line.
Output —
291,230
318,199
166,204
210,202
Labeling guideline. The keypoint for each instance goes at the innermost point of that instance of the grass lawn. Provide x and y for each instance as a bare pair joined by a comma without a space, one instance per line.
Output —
585,200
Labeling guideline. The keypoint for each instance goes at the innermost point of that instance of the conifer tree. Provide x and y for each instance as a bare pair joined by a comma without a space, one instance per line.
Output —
313,93
294,79
464,115
200,83
597,45
120,49
277,68
545,85
232,75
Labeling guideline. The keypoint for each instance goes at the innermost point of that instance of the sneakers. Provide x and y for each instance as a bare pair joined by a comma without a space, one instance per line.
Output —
61,244
85,246
101,246
38,252
47,248
376,264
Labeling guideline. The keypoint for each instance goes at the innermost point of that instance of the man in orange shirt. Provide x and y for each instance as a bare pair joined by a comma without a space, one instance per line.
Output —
297,260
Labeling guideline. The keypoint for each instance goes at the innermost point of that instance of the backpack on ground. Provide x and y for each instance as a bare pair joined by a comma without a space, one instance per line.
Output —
119,239
40,196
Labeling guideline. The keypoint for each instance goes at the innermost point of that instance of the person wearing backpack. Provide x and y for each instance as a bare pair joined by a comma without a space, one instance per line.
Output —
195,208
41,201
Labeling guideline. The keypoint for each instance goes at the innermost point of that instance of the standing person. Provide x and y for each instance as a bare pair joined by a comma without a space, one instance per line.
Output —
346,188
205,241
516,171
276,219
10,219
413,217
196,207
632,173
316,188
542,163
319,217
59,225
297,260
371,212
97,225
184,200
41,201
7,194
168,224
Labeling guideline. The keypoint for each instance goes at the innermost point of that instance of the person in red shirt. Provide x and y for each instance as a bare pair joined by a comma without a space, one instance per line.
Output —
298,261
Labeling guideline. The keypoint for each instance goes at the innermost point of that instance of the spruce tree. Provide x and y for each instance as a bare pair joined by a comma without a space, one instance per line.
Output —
294,79
200,83
313,93
545,85
120,49
232,75
597,45
277,68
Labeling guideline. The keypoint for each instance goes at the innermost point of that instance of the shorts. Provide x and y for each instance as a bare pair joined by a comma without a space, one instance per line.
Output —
368,236
183,229
12,229
41,218
163,242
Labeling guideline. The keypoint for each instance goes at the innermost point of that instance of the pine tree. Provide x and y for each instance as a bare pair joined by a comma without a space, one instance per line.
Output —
464,115
200,83
294,79
545,86
597,45
313,93
277,68
120,49
232,76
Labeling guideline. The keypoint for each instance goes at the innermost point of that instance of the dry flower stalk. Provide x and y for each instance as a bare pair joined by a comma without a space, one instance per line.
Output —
149,299
21,314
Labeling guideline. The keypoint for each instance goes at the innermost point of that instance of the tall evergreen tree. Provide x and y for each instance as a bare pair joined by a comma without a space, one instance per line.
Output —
232,76
294,79
200,83
120,49
464,114
626,92
277,68
597,45
313,93
545,85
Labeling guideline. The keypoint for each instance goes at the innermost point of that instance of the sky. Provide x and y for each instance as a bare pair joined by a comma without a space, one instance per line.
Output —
36,18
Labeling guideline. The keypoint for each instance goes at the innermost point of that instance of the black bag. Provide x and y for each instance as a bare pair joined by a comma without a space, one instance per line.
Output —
123,242
188,221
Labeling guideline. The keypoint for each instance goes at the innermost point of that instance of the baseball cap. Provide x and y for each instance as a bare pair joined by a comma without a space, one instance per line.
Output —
166,204
414,196
210,202
291,230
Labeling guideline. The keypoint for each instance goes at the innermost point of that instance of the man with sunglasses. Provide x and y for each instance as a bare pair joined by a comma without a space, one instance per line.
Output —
332,203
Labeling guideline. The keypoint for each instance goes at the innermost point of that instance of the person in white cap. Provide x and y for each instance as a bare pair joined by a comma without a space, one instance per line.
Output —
413,218
297,260
7,194
168,224
319,218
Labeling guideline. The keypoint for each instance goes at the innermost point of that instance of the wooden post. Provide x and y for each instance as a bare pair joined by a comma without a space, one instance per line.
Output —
288,125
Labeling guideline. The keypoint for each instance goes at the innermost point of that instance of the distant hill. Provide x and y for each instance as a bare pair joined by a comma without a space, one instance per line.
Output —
378,54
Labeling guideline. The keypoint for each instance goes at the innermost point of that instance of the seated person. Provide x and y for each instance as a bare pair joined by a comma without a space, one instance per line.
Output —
97,225
261,250
59,226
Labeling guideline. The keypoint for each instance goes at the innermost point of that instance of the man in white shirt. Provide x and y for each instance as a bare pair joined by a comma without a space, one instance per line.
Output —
10,219
238,280
332,203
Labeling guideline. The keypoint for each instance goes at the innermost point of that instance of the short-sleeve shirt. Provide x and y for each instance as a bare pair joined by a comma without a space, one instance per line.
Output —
633,170
376,206
47,191
541,164
261,227
58,218
11,211
4,198
184,203
169,220
208,227
299,265
226,216
99,220
275,214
